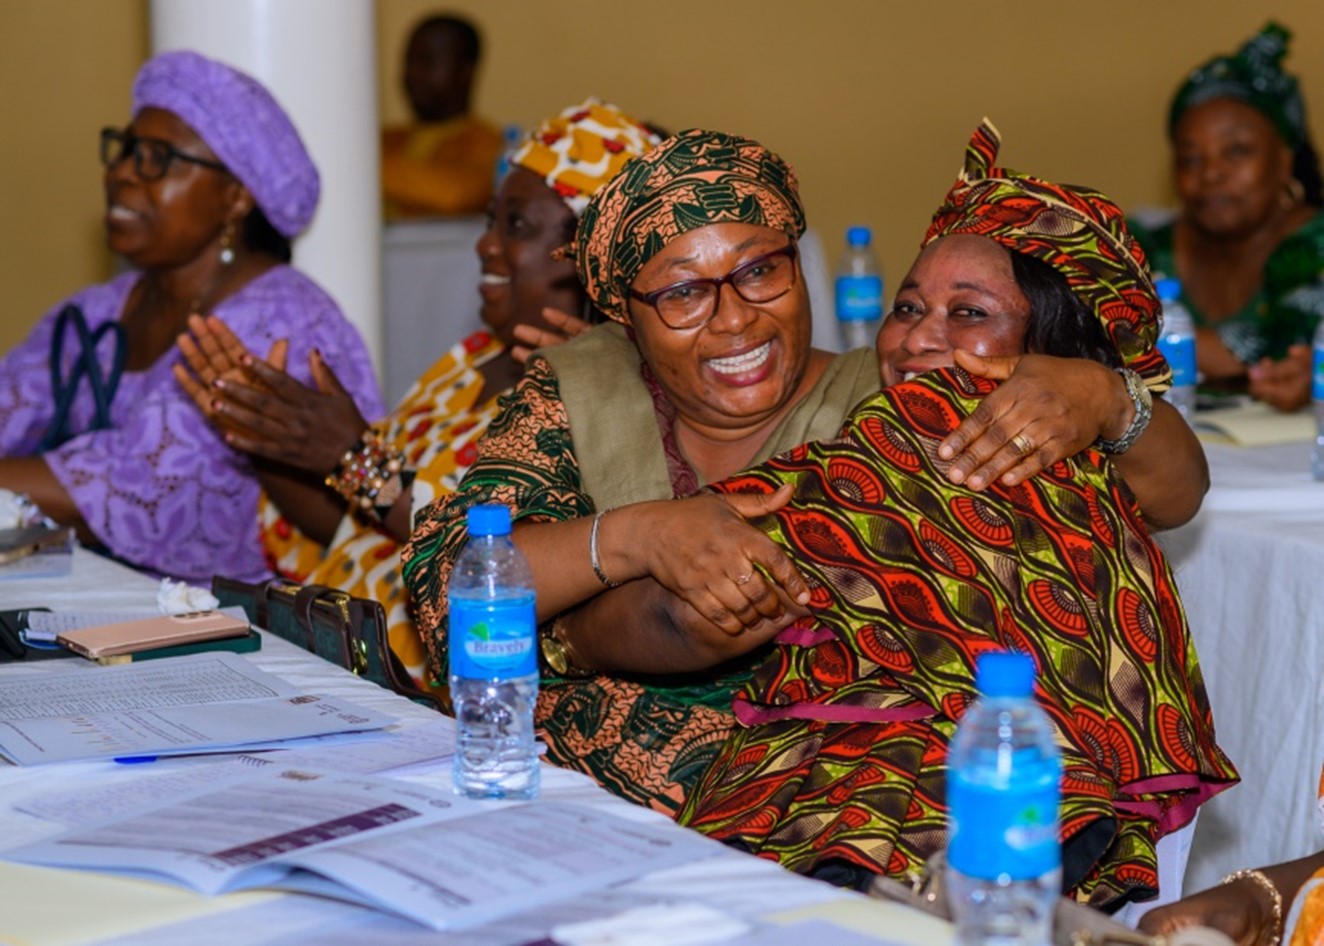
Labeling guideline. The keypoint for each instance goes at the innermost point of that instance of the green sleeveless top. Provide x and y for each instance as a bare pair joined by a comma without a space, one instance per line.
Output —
614,428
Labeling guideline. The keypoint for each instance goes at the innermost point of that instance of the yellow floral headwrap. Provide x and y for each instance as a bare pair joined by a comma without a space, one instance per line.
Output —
583,148
1076,230
692,180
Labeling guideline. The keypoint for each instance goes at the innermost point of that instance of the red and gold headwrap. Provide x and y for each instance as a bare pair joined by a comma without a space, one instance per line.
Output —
695,179
583,148
1076,230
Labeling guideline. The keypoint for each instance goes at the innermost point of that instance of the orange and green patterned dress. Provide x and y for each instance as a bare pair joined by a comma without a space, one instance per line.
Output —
437,424
839,766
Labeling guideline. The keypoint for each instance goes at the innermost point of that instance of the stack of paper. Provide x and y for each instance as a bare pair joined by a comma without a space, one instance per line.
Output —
425,854
203,703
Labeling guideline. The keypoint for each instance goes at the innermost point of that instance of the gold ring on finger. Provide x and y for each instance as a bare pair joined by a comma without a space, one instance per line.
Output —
1024,446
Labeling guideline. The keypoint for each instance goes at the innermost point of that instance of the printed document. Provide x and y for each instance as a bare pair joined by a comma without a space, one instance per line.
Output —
200,703
428,855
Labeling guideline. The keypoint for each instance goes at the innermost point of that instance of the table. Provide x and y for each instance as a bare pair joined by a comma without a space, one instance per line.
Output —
1250,568
38,909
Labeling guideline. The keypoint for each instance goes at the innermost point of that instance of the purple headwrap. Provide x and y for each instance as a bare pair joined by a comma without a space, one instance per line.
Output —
240,121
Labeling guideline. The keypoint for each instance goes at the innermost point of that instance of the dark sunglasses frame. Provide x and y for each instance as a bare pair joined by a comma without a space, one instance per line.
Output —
128,144
790,250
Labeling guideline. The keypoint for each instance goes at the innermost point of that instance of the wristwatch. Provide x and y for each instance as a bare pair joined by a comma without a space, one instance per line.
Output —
556,654
1144,404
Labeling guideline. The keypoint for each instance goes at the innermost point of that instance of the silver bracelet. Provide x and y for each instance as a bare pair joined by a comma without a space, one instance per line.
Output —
593,552
1143,403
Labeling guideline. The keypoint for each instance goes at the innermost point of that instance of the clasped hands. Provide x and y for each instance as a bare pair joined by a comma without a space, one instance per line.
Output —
259,408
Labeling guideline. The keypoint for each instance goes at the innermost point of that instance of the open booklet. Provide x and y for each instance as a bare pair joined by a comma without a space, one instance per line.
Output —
212,702
1254,424
428,855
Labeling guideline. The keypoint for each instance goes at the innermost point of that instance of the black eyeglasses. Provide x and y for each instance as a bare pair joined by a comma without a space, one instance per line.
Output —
151,156
692,304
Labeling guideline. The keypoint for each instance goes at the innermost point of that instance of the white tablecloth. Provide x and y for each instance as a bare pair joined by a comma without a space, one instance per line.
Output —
1251,572
741,886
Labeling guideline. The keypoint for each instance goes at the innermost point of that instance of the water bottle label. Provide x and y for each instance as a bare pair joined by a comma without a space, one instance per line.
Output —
1317,374
1179,350
1009,830
493,640
859,298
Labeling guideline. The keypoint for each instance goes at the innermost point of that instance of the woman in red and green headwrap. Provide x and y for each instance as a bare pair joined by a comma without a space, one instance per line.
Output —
1248,242
654,608
839,766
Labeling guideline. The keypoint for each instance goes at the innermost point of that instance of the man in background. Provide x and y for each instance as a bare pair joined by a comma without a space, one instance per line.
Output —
445,162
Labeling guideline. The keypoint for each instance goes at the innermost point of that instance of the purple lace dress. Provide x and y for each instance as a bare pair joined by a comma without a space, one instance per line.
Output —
159,488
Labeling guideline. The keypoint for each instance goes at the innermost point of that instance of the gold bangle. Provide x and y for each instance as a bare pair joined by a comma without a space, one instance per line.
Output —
1275,895
593,551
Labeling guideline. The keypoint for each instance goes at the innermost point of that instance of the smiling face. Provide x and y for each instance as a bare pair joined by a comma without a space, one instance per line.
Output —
1230,167
746,365
171,221
960,293
525,223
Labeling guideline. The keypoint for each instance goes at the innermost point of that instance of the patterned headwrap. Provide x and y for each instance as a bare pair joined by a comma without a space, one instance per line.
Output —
694,179
1254,75
240,121
1076,230
582,148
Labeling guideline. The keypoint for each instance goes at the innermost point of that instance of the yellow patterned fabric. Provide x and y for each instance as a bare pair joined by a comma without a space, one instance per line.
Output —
437,425
582,148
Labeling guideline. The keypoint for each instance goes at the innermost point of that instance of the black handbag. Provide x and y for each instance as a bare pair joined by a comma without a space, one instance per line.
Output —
349,632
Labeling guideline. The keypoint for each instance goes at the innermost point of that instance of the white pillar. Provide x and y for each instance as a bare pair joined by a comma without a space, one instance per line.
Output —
318,58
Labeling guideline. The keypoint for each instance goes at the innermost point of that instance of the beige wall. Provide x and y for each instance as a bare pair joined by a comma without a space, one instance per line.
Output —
872,101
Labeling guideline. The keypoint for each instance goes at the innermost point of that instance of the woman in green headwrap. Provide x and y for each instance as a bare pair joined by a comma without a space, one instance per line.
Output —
706,368
1248,243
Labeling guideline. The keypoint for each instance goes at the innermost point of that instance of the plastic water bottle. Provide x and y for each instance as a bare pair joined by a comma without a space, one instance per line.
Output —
493,662
512,137
859,291
1004,862
1317,395
1177,342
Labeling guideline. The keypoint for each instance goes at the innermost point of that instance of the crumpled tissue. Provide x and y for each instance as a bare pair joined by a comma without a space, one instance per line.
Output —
178,597
17,511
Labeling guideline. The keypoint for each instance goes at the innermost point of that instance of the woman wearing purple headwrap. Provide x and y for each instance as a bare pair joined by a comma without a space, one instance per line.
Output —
204,189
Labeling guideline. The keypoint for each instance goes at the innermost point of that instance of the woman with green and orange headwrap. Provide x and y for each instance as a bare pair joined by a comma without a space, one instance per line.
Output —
707,369
1248,242
839,767
421,449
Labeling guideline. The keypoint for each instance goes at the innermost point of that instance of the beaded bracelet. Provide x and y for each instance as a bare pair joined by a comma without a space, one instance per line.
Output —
593,551
370,476
1274,894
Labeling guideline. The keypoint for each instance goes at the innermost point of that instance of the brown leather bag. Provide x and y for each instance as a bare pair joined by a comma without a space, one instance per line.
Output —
347,631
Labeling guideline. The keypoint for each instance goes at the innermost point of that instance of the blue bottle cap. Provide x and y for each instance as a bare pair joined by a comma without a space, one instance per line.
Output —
1004,673
859,236
1168,288
489,520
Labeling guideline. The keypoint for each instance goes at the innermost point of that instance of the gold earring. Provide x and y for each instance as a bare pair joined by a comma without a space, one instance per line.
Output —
227,245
